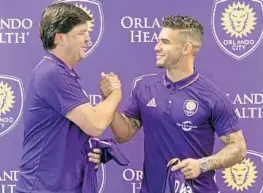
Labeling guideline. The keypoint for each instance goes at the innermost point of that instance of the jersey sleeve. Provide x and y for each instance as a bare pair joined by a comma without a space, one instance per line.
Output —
61,91
224,118
132,108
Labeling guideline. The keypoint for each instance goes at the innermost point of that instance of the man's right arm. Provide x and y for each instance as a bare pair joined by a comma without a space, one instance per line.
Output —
123,127
94,120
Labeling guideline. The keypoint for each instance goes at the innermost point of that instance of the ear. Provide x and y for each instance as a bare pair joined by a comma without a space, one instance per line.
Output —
188,47
60,39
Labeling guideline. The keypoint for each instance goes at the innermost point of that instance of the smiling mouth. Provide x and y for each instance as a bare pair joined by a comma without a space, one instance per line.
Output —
159,56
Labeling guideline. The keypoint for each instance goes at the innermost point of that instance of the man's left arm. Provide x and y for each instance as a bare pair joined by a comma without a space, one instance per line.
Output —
225,122
233,152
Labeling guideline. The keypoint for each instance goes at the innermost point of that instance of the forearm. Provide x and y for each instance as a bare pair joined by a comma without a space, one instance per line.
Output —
105,110
120,127
124,128
227,157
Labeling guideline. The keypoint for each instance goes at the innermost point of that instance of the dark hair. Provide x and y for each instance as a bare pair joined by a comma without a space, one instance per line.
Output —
190,28
59,18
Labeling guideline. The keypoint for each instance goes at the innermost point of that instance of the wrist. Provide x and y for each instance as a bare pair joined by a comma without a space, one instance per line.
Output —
203,165
118,93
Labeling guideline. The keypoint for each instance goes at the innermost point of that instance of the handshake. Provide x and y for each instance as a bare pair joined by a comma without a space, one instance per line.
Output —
109,83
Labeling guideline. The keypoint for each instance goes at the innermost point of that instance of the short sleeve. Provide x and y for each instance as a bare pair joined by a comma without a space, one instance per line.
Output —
132,108
224,118
60,90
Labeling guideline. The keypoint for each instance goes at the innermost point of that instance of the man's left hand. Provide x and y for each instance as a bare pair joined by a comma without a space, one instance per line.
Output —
189,167
95,157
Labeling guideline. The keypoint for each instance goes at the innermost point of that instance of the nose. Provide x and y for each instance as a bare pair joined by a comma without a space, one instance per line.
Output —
157,47
87,37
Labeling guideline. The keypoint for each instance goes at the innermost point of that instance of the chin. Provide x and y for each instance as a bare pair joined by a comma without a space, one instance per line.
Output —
82,56
159,65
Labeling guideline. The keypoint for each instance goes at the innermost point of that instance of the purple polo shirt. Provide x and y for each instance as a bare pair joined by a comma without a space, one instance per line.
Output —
175,182
109,151
53,159
179,120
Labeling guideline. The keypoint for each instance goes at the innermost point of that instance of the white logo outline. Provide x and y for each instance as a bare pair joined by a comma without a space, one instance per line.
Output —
98,40
219,43
19,116
189,111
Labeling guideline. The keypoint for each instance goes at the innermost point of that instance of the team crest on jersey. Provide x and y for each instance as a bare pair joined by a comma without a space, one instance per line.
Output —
190,107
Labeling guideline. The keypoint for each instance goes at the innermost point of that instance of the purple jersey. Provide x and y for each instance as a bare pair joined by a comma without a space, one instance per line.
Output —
175,181
179,120
53,155
109,151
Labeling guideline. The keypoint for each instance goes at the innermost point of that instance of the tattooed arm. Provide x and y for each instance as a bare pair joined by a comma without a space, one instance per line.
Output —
233,152
123,127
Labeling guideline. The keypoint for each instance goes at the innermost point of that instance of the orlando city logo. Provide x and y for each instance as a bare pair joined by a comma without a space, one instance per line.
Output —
96,26
244,177
11,102
237,26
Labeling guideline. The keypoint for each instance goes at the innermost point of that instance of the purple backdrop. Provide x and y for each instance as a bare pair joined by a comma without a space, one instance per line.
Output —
123,36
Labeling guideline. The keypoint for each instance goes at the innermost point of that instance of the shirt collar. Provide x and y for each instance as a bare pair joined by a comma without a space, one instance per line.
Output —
59,62
181,83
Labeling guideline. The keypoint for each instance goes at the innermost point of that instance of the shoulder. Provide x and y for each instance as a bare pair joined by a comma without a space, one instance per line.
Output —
207,86
210,92
145,80
47,71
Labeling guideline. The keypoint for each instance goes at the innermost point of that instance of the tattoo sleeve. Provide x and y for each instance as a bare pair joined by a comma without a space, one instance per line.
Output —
133,123
233,152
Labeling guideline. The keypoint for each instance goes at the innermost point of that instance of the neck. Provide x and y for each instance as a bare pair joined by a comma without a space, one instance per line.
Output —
184,70
67,59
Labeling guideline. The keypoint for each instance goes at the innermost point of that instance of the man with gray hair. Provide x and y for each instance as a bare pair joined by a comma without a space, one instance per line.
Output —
180,112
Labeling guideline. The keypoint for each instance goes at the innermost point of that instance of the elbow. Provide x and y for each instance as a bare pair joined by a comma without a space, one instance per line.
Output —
95,130
121,139
98,130
243,156
95,133
243,152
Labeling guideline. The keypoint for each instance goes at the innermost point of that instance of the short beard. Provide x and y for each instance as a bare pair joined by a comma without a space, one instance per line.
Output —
160,65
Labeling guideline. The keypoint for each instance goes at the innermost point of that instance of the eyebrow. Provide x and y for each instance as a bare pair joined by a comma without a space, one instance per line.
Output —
83,30
164,40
